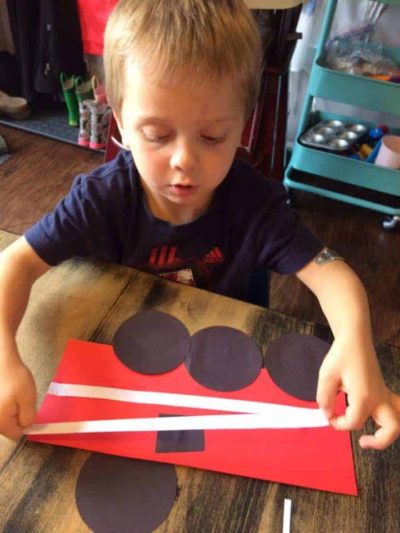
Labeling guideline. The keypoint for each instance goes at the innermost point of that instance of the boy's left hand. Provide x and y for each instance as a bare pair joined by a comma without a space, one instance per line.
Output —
355,371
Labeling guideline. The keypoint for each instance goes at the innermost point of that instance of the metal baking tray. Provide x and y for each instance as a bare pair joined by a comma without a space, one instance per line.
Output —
333,135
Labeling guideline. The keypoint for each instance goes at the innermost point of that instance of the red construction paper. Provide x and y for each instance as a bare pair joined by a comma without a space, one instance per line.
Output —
319,458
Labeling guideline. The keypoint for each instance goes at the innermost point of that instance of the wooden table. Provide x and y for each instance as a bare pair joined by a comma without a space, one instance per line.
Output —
87,300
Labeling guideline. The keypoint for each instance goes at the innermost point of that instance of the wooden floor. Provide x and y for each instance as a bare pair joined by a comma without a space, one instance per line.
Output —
41,171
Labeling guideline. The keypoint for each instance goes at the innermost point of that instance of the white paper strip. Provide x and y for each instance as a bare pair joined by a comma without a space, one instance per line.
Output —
287,511
176,423
186,400
260,415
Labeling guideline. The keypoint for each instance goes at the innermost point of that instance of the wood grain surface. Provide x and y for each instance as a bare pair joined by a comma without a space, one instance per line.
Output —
88,300
39,173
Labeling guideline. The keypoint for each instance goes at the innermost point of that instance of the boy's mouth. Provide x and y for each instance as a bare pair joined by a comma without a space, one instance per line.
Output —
182,190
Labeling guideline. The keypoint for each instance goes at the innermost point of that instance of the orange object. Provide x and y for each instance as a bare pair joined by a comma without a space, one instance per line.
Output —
365,150
381,77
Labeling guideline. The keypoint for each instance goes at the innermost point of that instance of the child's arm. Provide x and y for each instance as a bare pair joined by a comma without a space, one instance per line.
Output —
351,364
20,266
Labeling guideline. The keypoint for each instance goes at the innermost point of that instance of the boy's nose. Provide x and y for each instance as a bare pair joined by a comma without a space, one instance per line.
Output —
183,158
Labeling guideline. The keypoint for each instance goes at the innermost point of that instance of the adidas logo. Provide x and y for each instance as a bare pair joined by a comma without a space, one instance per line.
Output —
215,256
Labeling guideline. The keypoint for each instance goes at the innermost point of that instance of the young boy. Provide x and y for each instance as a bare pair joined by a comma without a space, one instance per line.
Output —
182,77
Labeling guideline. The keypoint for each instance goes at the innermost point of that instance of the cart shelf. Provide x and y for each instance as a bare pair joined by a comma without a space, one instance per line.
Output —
359,91
331,168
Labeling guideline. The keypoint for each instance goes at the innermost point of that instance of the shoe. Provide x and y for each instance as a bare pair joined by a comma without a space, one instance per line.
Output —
14,106
84,94
3,146
70,98
100,116
84,122
4,155
99,90
83,89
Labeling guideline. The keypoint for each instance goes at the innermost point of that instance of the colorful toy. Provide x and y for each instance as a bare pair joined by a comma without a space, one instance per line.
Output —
365,150
372,156
376,133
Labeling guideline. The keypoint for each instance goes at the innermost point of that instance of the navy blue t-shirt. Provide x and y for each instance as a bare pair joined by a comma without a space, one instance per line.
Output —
247,226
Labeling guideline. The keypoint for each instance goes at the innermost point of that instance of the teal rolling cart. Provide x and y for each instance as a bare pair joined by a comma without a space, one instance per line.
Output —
332,175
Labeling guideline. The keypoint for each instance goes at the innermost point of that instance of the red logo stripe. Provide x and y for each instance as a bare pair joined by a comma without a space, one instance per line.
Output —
172,255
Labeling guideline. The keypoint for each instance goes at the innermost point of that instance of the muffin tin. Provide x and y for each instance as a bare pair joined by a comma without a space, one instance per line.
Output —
333,135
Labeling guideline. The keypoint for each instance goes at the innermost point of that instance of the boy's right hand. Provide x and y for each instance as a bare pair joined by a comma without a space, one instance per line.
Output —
17,398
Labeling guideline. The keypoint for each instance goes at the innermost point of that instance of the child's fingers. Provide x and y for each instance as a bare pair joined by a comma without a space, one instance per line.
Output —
388,431
27,410
354,417
9,427
327,390
395,399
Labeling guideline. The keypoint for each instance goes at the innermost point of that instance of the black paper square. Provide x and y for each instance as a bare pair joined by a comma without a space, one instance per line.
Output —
180,440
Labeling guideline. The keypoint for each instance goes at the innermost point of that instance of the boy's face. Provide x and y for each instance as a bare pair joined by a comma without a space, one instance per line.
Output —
183,138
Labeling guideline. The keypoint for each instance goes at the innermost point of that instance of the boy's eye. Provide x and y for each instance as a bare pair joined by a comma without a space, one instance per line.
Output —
161,137
153,138
209,139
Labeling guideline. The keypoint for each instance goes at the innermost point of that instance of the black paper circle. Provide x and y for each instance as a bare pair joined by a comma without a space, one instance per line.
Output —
124,495
152,342
293,362
223,358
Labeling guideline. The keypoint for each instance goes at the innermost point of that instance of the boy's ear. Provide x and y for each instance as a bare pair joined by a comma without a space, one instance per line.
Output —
118,120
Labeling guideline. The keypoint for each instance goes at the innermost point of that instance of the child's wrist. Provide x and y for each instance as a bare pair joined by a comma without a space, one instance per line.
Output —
8,349
355,332
360,342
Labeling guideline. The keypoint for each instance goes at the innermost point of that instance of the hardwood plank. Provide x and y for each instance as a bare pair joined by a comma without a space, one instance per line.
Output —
373,254
39,173
48,497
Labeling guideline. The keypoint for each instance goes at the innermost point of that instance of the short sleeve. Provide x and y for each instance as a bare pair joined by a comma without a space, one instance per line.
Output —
89,221
285,244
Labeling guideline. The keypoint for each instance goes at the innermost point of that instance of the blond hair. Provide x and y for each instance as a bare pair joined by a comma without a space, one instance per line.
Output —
211,38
